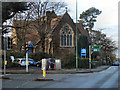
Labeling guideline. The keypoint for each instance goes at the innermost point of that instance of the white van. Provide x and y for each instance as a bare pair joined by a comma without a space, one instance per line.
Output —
20,62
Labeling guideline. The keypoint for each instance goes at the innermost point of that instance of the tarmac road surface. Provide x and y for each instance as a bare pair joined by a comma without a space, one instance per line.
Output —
104,79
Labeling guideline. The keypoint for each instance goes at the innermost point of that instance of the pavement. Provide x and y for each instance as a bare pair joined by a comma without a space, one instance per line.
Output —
62,71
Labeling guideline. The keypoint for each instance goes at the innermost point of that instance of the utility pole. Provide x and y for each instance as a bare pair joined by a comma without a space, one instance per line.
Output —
90,44
76,41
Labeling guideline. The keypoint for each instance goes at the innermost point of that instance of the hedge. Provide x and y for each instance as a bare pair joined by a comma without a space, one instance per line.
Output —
39,56
83,63
68,61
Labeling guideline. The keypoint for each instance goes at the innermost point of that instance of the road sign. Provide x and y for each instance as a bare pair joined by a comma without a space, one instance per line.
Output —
96,48
30,45
83,50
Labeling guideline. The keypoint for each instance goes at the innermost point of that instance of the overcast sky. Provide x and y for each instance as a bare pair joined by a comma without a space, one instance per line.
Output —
108,19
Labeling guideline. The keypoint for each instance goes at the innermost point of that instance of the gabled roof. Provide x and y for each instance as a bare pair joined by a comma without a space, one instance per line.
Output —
55,21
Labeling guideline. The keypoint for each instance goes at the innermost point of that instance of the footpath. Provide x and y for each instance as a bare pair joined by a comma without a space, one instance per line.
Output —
62,71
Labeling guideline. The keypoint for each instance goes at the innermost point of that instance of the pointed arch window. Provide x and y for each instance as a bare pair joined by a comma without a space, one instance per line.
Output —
66,39
62,40
70,40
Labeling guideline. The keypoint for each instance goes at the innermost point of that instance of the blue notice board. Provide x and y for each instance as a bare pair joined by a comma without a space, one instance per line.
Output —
83,53
83,50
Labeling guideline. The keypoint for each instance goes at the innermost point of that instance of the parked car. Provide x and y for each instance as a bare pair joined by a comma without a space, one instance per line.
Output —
39,64
32,62
22,62
19,62
116,63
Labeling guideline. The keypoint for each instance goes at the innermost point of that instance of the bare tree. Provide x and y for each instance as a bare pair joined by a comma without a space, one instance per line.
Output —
40,9
36,11
107,45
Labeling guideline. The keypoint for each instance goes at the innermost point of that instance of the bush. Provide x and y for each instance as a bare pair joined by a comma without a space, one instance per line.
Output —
39,55
68,61
18,54
9,61
83,63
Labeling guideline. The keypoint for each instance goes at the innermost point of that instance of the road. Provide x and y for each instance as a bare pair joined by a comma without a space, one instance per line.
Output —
104,79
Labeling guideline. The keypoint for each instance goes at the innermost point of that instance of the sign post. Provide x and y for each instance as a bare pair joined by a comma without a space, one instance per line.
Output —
27,61
89,56
26,48
4,55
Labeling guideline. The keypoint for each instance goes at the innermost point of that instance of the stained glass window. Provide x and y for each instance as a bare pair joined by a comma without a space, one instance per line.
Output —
64,40
66,34
61,40
70,40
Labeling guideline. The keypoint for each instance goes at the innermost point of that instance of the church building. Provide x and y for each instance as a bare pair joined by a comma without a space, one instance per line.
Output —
55,35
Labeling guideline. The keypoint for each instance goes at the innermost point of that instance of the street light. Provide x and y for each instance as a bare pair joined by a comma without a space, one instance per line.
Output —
90,44
76,41
4,54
